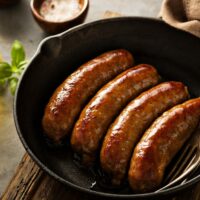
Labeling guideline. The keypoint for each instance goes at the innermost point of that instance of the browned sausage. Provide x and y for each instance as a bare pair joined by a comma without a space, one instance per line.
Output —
69,98
105,105
160,143
127,129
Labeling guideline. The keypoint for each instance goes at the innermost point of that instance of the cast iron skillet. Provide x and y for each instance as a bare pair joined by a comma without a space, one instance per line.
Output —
176,55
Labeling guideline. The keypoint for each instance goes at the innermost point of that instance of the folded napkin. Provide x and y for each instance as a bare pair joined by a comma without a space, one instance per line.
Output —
182,14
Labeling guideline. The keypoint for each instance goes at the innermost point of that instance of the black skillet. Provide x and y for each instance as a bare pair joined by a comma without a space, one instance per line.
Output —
176,55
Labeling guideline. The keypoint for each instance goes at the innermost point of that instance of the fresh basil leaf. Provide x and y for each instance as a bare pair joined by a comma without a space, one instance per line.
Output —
2,82
9,73
5,70
22,64
13,85
17,53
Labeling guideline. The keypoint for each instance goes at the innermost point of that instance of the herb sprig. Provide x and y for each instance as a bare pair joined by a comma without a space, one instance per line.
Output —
9,73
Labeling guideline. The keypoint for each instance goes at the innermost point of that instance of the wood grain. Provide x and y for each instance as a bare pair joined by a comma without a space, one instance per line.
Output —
25,180
32,183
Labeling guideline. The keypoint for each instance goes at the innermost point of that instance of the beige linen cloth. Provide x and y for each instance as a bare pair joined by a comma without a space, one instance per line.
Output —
182,14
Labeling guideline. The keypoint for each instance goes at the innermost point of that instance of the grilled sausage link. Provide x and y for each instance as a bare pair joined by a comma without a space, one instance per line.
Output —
69,98
105,105
129,126
160,143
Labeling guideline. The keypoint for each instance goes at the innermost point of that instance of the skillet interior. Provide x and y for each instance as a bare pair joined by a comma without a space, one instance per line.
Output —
174,53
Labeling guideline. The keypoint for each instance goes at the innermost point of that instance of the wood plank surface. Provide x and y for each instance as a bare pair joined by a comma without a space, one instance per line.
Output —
32,183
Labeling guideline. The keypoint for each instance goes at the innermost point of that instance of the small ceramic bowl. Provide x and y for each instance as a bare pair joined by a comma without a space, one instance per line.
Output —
53,27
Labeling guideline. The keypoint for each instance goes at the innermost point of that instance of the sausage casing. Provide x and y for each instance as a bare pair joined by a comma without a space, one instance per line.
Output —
70,97
160,143
129,126
105,105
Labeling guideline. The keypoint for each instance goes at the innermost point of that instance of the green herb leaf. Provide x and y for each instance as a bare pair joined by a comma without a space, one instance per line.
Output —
5,70
22,64
13,84
17,53
2,82
9,73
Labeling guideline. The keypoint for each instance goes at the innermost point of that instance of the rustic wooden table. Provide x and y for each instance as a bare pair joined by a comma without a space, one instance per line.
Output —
29,181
